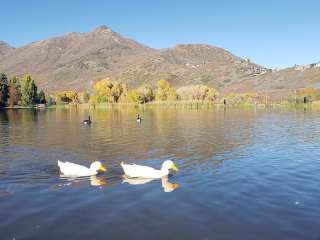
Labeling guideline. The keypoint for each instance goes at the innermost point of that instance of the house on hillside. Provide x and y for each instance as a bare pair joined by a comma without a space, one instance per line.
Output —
302,67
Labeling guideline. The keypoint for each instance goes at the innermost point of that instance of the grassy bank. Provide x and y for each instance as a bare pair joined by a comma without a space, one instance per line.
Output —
192,105
175,105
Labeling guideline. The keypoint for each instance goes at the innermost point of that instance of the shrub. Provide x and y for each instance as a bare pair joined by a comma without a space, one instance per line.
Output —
165,91
70,96
197,92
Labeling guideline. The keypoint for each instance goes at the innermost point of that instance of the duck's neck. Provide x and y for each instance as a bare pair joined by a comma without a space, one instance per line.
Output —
164,172
93,171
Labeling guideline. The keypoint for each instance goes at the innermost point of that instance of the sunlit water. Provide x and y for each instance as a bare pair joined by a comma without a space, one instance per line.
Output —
244,174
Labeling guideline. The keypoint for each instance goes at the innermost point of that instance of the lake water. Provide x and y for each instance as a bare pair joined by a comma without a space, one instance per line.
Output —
244,174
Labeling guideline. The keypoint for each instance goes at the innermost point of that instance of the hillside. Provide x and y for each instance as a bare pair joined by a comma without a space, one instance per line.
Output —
77,60
281,80
73,60
4,49
191,64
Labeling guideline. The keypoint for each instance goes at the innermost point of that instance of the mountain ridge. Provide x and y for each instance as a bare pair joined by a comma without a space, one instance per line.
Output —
77,60
5,48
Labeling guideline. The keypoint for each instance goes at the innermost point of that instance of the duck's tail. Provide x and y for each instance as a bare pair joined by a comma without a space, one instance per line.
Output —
124,167
60,163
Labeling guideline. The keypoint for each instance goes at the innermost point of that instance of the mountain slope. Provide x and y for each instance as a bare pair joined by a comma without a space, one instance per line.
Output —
281,81
5,49
191,64
77,60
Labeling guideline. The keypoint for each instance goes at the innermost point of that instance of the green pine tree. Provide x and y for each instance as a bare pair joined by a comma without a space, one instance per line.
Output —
28,91
41,97
4,90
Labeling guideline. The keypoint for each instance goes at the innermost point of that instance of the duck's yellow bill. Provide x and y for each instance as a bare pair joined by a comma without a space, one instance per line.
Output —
103,168
175,168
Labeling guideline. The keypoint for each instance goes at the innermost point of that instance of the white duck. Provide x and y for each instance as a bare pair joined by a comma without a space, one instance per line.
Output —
138,171
76,170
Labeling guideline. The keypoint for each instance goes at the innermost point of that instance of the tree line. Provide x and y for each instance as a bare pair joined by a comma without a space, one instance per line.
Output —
21,92
24,92
107,91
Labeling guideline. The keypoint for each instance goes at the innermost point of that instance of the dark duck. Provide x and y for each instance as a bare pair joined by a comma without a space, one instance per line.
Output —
139,119
87,121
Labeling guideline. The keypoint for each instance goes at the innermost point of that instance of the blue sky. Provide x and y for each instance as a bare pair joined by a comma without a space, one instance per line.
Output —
273,33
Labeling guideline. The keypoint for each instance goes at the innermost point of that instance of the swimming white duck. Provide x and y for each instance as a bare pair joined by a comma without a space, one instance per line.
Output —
138,171
76,170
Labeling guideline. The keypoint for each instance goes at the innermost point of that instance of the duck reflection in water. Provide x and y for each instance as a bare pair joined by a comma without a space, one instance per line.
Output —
166,185
76,181
97,181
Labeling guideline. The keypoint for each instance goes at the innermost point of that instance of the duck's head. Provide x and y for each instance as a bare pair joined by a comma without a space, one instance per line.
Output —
98,166
168,164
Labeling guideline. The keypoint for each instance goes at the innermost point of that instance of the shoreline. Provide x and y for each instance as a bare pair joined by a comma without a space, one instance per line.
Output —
171,104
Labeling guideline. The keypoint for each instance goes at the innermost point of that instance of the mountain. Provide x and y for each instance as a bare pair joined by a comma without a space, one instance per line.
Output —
5,48
191,64
77,60
73,60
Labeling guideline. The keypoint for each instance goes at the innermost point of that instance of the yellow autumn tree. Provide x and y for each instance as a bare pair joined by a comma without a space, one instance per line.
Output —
84,97
165,91
198,92
102,91
141,95
69,96
105,91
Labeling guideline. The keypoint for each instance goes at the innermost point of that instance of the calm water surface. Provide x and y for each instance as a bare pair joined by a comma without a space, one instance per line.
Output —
244,174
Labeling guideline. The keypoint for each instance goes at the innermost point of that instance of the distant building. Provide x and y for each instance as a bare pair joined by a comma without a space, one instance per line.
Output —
303,67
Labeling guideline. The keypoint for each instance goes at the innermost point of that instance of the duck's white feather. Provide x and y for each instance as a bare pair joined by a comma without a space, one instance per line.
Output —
72,169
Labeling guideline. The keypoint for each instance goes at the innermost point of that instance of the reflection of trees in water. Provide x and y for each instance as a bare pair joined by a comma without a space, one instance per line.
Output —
4,129
194,134
19,124
114,135
29,116
28,126
198,135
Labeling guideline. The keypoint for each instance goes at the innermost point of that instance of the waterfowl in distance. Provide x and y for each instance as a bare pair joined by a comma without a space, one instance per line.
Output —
87,121
139,119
